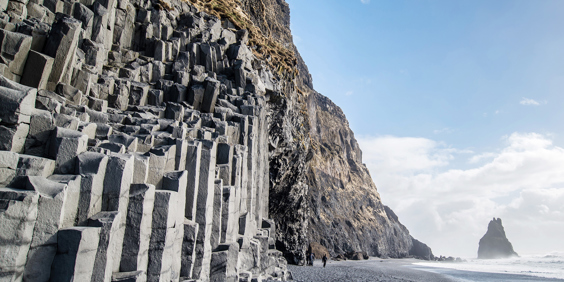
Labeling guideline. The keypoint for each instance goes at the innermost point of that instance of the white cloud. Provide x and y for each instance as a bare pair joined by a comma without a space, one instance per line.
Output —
443,130
529,102
365,1
349,93
449,208
403,154
479,157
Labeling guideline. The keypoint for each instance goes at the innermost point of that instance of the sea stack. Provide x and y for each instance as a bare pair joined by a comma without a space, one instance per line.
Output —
494,244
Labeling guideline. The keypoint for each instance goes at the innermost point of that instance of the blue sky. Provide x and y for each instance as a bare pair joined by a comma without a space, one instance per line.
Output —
437,88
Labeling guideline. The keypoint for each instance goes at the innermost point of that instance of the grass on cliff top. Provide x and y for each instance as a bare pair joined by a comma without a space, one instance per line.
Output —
278,57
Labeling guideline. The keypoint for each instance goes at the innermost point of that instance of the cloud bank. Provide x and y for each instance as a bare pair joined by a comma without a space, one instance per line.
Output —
449,209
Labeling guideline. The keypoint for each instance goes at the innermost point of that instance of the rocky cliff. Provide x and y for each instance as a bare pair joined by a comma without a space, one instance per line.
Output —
347,213
494,244
320,190
333,198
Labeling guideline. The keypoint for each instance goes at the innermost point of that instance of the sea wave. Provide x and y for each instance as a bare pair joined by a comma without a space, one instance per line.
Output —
545,265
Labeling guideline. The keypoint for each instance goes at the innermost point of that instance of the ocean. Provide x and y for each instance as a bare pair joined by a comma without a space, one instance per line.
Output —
546,267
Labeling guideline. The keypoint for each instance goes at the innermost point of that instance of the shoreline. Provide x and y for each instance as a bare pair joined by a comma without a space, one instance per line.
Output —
376,269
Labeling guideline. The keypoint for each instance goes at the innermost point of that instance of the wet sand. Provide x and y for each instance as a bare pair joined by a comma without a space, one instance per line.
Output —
376,269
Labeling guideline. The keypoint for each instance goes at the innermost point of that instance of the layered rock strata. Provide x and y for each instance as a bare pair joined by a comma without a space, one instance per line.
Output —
134,145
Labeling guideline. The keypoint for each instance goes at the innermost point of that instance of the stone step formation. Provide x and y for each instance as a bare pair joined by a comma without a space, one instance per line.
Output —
133,138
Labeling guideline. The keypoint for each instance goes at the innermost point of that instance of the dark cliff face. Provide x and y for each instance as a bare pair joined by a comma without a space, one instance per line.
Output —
320,191
495,244
288,136
421,250
347,213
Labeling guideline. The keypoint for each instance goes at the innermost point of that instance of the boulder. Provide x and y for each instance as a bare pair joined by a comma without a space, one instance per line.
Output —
356,255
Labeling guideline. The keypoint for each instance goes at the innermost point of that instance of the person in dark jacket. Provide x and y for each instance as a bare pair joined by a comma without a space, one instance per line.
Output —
324,259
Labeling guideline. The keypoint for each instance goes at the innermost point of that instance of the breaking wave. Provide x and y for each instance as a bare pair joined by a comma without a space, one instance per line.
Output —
545,266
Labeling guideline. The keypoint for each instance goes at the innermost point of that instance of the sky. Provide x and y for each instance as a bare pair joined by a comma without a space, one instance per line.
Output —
458,107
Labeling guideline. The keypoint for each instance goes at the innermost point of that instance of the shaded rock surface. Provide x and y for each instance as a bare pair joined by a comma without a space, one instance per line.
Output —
494,244
420,250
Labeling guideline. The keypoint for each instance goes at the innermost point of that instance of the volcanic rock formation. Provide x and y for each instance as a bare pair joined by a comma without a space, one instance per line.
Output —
320,189
494,244
420,250
134,145
163,140
347,213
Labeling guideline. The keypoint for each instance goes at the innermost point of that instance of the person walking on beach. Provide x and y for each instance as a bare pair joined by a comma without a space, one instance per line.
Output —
324,259
308,259
312,258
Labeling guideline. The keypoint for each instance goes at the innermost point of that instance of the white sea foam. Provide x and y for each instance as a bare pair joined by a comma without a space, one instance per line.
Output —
546,266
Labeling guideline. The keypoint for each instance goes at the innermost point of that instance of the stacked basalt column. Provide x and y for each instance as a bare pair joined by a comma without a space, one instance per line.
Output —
133,145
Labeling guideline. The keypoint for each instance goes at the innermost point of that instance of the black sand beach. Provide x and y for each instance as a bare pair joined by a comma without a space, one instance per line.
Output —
395,270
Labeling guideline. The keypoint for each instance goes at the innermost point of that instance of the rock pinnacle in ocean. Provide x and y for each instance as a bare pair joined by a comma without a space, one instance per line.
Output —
495,244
